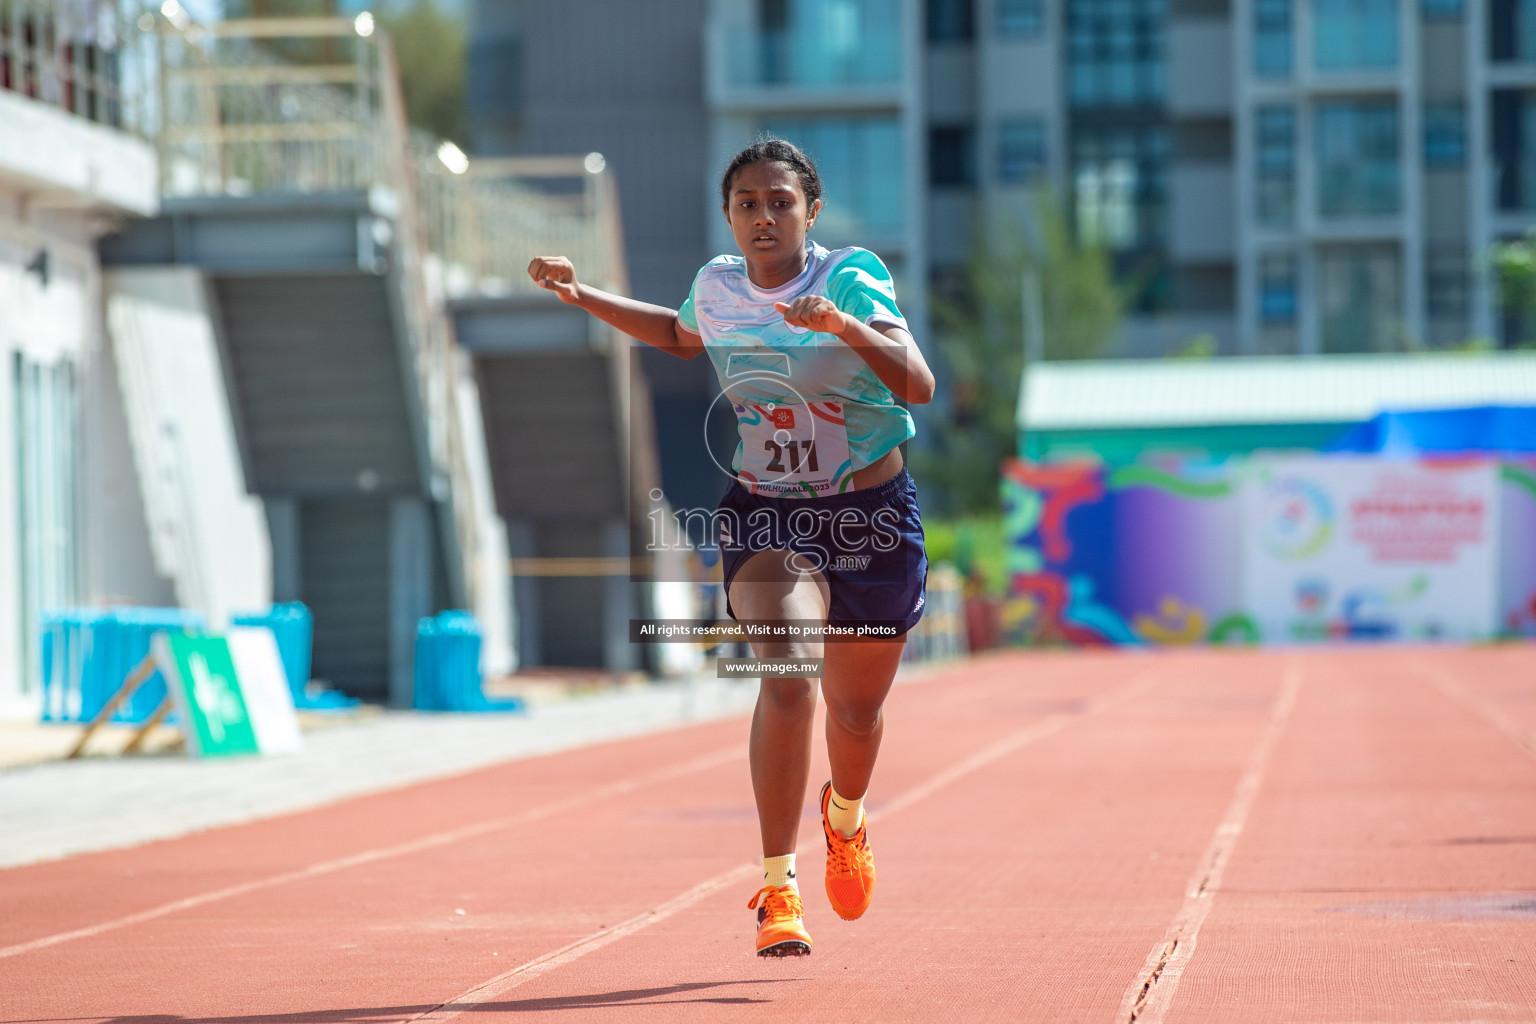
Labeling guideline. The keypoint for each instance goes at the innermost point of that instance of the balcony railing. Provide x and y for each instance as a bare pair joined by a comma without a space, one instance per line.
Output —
484,222
82,57
273,106
311,105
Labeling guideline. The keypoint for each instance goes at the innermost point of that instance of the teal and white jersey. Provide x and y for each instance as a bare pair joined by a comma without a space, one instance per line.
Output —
809,410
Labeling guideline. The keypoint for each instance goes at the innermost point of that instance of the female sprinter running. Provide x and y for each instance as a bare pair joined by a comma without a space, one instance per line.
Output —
820,524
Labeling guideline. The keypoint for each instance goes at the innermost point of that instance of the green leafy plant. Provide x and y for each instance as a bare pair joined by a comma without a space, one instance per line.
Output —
973,544
1201,346
979,331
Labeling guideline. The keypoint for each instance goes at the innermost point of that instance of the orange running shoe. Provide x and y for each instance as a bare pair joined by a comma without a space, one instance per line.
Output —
780,922
850,866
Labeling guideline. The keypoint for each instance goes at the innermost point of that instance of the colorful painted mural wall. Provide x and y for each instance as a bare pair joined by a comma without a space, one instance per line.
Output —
1517,549
1270,550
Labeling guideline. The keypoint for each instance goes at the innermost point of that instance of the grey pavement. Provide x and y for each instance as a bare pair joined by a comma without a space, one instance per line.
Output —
61,808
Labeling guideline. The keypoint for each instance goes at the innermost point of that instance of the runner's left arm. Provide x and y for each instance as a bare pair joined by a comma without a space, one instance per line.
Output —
889,350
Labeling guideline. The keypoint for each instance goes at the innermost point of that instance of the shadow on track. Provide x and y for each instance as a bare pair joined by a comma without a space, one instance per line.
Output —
366,1015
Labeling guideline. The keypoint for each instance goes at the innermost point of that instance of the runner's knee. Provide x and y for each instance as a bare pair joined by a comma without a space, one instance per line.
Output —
788,696
857,718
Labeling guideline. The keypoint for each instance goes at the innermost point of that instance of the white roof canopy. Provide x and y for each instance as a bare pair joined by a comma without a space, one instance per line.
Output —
1128,393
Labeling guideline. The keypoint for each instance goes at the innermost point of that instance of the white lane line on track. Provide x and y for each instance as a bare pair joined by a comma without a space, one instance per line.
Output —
1447,684
497,987
493,989
677,770
1151,994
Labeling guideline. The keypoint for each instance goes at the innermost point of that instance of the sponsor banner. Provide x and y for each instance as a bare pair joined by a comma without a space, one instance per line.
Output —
1280,549
1361,548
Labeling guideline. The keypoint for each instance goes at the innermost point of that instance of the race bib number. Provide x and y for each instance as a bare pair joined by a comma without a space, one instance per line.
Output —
794,450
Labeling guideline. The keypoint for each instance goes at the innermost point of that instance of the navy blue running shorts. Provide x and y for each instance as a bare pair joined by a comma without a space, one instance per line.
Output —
868,544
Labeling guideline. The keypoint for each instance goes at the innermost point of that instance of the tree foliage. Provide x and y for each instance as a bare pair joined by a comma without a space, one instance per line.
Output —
430,49
979,329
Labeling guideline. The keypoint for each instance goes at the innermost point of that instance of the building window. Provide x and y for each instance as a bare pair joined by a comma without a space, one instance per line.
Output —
1514,148
1445,134
1119,185
1440,10
1357,164
951,156
1352,35
951,21
1276,166
860,161
1277,289
1512,30
1359,299
1106,202
1020,151
1020,19
1447,281
1272,38
1115,52
819,42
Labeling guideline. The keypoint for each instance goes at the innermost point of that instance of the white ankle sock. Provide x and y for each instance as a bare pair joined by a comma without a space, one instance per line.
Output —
845,815
780,871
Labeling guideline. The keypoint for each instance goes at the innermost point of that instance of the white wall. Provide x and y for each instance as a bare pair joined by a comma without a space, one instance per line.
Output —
1201,209
1200,67
122,569
46,324
491,588
65,157
10,570
209,535
63,181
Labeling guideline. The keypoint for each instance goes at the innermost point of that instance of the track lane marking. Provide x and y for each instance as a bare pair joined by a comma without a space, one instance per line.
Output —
495,988
704,762
1148,998
1447,684
676,770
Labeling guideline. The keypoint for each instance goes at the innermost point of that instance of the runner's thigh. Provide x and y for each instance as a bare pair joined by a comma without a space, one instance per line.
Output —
779,586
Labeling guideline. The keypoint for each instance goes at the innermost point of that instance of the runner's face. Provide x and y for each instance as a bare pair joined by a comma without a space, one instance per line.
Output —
768,213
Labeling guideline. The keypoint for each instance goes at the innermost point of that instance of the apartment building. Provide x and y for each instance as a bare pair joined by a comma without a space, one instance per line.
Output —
844,81
1363,173
1286,176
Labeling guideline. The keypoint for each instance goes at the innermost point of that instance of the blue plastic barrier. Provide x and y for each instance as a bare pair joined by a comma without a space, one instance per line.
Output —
88,652
448,666
293,627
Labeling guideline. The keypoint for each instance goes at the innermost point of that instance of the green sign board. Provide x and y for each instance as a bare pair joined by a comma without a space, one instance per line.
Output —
230,692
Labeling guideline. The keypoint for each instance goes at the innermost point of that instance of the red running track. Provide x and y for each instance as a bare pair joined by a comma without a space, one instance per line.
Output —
1337,836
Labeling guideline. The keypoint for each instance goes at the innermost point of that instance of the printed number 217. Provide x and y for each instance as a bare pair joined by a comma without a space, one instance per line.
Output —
796,449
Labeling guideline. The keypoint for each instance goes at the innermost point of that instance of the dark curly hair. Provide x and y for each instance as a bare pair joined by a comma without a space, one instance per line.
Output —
768,148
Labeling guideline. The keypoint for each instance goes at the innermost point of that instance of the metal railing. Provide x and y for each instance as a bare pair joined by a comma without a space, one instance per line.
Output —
484,221
313,105
272,106
83,57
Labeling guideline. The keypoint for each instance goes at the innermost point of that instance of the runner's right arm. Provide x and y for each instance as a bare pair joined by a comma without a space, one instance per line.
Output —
657,326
